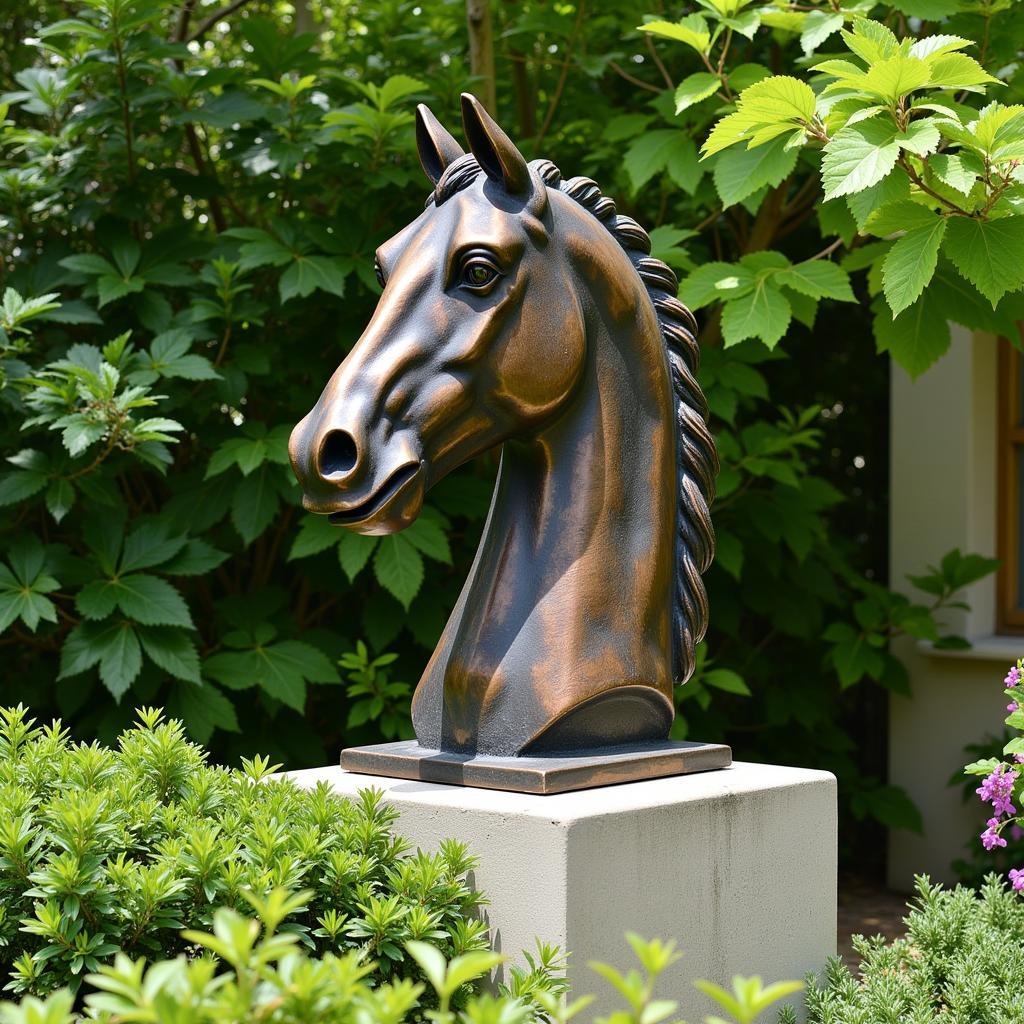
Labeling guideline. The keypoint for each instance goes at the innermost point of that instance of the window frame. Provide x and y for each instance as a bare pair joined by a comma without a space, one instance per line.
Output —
1009,604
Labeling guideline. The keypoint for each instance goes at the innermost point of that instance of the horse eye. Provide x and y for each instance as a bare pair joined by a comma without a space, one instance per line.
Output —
379,271
479,273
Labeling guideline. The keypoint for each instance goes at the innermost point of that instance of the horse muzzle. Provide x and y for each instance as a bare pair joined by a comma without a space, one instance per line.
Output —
355,486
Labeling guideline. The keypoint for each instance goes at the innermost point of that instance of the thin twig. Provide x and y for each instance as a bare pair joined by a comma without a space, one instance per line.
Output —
827,251
657,60
916,179
184,17
207,23
556,96
631,78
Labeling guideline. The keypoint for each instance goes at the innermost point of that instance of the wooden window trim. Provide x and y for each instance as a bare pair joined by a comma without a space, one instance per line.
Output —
1009,613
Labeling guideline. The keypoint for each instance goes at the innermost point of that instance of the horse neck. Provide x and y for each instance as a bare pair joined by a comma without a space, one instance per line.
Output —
582,523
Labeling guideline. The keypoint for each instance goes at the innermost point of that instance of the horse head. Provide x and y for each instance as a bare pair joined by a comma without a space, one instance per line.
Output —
476,338
521,311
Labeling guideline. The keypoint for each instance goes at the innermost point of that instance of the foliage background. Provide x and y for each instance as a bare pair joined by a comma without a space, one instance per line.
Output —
190,198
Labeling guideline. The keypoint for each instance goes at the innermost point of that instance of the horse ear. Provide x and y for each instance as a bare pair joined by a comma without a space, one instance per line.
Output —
496,153
437,149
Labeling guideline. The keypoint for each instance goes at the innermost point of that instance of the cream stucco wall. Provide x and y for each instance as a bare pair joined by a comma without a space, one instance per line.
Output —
943,496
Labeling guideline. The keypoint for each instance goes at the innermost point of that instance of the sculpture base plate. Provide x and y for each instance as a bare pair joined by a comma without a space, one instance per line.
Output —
542,775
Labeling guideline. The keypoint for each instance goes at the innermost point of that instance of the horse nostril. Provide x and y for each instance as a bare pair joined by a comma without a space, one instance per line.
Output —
337,453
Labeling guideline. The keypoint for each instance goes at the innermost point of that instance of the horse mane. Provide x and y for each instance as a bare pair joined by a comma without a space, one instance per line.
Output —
696,458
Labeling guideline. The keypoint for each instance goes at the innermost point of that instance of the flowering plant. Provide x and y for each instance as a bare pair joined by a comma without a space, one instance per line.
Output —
1003,781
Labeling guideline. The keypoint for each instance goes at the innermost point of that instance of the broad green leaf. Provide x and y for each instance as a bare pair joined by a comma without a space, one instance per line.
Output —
910,264
779,98
866,204
254,504
817,27
767,109
111,288
931,46
762,313
151,601
859,157
682,164
989,253
121,660
83,647
746,23
429,537
279,669
999,132
694,89
920,138
80,434
171,649
196,558
666,149
432,963
89,263
354,550
397,87
308,273
398,567
954,170
727,680
148,545
259,249
691,30
60,497
896,77
903,215
915,339
203,709
957,71
19,485
871,40
715,282
739,172
24,586
745,75
929,10
316,534
819,279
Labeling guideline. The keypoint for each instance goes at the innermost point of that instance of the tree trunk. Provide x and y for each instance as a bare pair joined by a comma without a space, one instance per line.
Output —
481,50
524,95
303,17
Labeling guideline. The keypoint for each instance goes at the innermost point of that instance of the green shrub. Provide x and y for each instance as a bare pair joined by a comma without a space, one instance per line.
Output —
115,851
268,980
216,183
962,962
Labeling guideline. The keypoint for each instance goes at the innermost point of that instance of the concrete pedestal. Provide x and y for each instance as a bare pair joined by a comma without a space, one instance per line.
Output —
737,865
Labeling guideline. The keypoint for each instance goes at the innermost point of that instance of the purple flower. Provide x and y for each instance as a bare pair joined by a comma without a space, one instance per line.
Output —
1019,758
1016,833
1012,678
1017,879
997,790
1012,706
991,838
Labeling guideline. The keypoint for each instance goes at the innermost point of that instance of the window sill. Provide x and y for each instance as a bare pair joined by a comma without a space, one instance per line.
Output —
983,648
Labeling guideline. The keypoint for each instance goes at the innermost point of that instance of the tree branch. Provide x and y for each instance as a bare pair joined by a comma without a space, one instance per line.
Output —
631,78
219,15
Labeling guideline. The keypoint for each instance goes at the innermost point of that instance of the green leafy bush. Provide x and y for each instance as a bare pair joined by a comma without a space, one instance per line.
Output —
106,851
190,200
266,978
962,962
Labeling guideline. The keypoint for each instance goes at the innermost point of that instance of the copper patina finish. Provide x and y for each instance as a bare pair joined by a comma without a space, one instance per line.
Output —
521,311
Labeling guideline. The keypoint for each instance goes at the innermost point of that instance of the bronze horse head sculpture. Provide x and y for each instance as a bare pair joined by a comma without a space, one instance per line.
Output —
519,310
